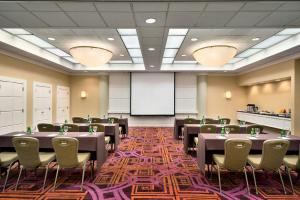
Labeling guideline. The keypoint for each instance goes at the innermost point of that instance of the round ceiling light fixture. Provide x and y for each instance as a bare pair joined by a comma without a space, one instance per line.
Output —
215,56
91,56
194,39
51,38
151,49
150,21
255,39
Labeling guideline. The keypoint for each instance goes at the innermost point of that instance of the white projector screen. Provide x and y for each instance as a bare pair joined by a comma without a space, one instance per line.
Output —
152,94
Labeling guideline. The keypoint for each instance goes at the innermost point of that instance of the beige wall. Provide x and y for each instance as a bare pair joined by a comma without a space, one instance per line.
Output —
271,96
15,68
216,102
270,73
90,105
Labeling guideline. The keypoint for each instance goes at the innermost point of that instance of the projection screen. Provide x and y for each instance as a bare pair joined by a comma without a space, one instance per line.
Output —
152,94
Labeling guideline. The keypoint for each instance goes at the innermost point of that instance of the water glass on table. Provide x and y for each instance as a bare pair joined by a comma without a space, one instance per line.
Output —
66,128
257,132
227,131
95,129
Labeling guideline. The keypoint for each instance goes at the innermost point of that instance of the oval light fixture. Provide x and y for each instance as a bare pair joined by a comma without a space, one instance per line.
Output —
216,56
91,56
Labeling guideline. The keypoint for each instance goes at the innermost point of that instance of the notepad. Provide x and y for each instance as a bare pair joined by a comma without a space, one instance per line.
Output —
252,138
19,134
84,135
52,135
221,137
285,138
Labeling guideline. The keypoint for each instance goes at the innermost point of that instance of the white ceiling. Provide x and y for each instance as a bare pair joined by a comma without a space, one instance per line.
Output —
71,23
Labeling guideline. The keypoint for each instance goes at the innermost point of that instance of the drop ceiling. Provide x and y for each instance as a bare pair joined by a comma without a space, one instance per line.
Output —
86,23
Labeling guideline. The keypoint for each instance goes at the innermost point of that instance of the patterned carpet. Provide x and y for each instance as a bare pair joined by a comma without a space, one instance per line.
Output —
150,164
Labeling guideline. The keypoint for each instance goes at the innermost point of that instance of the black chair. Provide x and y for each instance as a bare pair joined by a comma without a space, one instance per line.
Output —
79,120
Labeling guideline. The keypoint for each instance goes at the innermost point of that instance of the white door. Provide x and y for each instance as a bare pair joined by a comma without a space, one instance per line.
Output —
42,103
63,104
12,105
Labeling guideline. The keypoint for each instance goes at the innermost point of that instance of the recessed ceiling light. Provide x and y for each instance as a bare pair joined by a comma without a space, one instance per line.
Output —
122,55
194,39
151,49
183,55
255,39
110,39
150,21
51,38
151,66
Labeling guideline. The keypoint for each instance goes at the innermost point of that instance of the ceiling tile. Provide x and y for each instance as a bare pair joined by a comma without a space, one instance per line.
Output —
118,19
58,19
151,31
24,19
182,19
279,18
214,19
152,41
6,23
10,6
150,6
141,17
87,19
224,6
247,19
183,6
77,6
261,6
110,6
40,6
290,6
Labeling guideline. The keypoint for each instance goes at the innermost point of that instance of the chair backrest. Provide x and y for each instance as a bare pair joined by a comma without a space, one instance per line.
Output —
72,127
211,121
96,120
226,120
254,126
79,120
190,121
66,150
100,127
208,128
27,149
43,127
236,153
233,128
115,119
273,153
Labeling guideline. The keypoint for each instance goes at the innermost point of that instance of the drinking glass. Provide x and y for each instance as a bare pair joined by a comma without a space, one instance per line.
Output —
257,131
287,133
227,131
95,129
66,129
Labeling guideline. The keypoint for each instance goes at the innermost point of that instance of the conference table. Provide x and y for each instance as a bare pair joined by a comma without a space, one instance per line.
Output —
111,130
192,130
210,143
178,124
93,143
123,122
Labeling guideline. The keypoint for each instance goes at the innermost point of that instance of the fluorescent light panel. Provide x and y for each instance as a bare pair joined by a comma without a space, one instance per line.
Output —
176,31
271,41
127,31
174,41
120,62
185,62
58,52
131,41
17,31
247,53
170,53
289,31
135,52
138,60
36,40
167,60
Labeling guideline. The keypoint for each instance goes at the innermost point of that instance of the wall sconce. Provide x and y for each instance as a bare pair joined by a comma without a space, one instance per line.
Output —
83,94
228,95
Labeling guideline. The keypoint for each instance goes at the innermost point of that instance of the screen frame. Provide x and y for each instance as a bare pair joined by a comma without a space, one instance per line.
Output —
154,115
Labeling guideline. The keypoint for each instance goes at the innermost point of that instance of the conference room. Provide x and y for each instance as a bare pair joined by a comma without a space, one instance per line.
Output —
165,100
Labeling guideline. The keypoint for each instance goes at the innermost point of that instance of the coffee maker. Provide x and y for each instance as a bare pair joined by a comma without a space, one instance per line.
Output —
252,108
